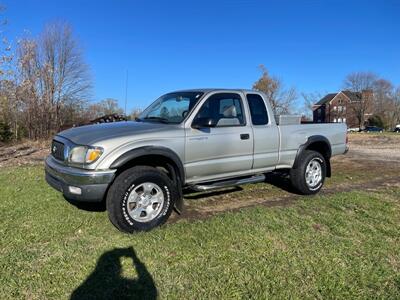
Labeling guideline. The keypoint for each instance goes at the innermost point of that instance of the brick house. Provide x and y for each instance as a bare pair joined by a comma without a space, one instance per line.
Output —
339,108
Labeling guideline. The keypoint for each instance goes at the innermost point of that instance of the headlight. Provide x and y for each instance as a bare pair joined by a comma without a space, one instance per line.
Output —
85,154
78,154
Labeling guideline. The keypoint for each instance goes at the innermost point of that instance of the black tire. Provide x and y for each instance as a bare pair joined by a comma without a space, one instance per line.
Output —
298,175
119,191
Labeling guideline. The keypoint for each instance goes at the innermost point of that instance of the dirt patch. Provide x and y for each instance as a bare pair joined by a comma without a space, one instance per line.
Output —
377,146
285,199
25,153
372,163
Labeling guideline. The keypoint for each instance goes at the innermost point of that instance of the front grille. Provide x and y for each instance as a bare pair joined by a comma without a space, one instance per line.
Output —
57,150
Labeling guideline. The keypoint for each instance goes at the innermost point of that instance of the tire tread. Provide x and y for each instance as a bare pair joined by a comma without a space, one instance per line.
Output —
297,175
120,184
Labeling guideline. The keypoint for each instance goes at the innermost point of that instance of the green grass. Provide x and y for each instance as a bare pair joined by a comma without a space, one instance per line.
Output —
341,246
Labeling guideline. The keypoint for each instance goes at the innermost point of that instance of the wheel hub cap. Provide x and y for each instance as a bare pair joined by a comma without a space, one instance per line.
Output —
145,202
313,173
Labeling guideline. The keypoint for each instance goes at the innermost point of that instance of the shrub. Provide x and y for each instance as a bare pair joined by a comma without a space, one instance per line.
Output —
375,120
5,132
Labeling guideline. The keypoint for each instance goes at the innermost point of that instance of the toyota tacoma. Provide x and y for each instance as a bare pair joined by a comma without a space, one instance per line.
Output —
200,140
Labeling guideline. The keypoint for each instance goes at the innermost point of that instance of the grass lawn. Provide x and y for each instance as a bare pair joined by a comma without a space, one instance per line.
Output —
341,246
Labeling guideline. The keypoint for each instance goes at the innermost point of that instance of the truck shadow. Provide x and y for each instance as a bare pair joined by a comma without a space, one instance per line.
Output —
107,282
88,206
280,180
192,195
277,179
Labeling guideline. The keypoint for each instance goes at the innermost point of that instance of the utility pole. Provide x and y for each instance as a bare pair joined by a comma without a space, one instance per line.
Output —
126,90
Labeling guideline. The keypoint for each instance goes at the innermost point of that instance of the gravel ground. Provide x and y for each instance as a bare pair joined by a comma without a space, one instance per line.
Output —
377,147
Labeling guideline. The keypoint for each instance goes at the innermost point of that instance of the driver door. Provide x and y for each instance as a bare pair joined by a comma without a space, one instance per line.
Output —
223,150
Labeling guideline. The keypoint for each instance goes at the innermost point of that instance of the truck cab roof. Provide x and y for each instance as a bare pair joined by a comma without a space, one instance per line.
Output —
209,90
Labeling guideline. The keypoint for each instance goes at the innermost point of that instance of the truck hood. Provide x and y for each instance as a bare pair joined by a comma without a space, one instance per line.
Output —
91,134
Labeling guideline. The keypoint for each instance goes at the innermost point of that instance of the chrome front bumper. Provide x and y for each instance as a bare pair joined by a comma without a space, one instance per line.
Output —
92,184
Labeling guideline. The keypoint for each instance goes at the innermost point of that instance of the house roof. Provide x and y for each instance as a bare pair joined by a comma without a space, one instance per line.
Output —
353,96
326,99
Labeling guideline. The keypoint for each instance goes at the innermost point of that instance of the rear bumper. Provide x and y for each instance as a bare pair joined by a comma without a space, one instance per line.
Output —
91,184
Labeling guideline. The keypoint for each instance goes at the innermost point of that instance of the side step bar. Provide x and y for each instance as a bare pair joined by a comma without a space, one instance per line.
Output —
227,183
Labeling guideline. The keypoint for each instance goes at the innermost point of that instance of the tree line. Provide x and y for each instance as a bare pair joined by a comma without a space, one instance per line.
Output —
384,104
46,85
385,101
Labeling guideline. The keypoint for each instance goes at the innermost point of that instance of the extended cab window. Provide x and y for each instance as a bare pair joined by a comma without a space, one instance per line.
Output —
224,109
259,115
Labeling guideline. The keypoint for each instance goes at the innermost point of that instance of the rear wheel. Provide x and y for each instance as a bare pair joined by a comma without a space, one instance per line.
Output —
140,198
309,176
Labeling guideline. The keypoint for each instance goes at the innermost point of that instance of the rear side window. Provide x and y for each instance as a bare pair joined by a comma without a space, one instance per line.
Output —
259,115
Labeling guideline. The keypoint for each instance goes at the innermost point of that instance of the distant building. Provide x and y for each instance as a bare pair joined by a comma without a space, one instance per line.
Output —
340,108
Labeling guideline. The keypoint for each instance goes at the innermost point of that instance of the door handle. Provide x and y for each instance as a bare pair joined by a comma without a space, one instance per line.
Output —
244,136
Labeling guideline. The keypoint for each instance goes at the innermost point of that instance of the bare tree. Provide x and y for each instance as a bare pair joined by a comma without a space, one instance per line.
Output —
396,101
309,99
52,78
281,99
110,106
8,104
107,106
135,113
381,102
392,111
360,109
359,81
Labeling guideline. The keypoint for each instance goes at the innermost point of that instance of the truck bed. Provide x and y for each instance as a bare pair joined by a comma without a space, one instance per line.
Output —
292,136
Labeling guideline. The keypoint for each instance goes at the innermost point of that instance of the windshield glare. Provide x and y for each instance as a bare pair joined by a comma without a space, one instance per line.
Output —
171,108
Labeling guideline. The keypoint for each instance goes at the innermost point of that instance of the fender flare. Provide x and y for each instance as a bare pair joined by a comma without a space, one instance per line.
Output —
161,151
311,140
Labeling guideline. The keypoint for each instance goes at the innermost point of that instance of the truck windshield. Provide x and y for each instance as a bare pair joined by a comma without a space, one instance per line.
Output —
170,108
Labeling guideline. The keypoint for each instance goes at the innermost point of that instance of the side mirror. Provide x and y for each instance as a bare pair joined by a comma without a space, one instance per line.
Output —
203,123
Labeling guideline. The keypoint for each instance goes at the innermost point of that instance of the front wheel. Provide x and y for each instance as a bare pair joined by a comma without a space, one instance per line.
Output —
309,176
140,198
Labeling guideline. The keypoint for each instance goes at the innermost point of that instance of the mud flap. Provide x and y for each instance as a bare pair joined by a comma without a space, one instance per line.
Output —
179,205
179,201
328,167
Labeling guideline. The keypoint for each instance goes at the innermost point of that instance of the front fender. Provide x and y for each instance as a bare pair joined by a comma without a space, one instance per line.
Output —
149,150
159,151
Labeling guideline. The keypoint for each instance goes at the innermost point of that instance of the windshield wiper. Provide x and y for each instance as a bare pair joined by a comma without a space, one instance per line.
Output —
160,119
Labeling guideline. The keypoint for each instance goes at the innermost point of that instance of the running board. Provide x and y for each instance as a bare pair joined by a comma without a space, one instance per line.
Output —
227,183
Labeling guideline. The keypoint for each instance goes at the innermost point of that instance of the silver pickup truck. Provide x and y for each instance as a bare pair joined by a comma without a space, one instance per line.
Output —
194,139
